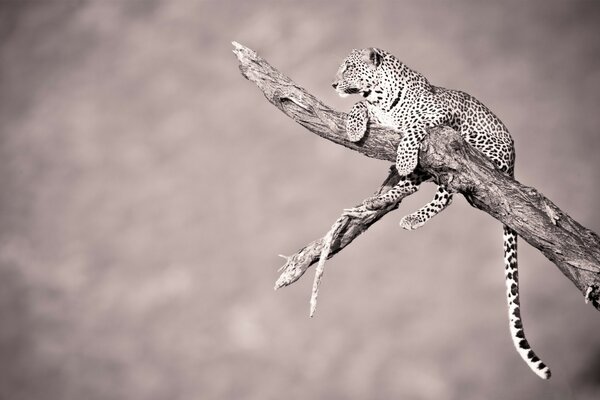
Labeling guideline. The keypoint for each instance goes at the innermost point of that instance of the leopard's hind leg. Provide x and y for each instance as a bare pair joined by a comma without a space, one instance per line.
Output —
441,200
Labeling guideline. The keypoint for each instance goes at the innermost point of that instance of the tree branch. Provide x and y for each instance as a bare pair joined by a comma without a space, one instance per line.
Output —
574,249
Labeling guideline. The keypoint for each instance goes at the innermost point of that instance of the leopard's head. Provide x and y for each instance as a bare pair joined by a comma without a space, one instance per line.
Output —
358,72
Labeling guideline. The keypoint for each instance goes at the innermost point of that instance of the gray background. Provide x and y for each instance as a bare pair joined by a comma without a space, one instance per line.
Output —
147,189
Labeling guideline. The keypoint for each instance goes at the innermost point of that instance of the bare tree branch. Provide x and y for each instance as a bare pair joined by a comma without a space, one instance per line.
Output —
574,249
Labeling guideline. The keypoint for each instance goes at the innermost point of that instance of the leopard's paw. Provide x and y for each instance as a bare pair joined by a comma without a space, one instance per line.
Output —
356,122
411,222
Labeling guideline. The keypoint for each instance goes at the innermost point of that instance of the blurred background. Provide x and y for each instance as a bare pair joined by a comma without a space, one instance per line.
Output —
147,189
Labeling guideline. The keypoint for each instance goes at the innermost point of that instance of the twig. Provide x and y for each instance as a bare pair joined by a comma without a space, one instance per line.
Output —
327,241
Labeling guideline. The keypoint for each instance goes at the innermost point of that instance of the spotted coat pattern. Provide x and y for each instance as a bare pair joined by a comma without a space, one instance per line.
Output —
401,98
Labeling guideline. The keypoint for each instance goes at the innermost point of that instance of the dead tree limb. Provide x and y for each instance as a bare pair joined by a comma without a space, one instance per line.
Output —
575,250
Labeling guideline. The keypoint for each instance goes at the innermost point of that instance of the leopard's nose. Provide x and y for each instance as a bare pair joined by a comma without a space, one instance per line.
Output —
334,85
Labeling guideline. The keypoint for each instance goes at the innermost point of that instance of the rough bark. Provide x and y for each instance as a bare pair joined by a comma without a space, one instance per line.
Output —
575,250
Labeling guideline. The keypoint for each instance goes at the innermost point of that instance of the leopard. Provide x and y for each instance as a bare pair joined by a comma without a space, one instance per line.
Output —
400,98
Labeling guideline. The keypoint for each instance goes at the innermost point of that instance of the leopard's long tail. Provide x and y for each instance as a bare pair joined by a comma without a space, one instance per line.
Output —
514,310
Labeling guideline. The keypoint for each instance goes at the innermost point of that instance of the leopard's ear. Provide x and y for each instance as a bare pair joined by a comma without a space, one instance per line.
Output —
375,56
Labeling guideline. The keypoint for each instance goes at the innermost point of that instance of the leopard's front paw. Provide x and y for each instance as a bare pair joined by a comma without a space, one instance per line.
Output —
411,222
356,122
407,158
407,164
